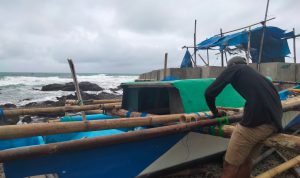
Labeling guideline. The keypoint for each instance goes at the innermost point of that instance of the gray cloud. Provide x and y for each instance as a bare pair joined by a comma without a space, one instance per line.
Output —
120,36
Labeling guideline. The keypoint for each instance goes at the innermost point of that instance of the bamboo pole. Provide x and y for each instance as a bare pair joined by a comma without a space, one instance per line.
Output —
76,87
281,168
27,130
165,65
241,28
294,47
207,54
195,47
90,102
88,143
18,131
222,56
62,109
249,45
283,141
263,36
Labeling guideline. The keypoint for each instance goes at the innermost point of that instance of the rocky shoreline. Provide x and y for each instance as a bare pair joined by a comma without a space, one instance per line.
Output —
85,87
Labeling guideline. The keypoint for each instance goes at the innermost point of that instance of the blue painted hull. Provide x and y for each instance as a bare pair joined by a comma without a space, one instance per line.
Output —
121,160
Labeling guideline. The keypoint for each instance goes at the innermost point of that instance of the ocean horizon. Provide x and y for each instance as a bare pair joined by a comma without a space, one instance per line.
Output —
21,88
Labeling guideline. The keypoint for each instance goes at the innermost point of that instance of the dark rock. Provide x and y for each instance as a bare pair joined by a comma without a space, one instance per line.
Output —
26,99
26,119
8,105
116,89
84,86
52,87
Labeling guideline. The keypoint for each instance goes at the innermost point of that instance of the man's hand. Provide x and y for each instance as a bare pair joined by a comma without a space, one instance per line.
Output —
219,113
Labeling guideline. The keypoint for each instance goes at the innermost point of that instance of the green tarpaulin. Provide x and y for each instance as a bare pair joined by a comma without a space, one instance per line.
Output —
192,95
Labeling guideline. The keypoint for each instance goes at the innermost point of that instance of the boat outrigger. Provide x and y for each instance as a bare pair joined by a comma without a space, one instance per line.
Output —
156,127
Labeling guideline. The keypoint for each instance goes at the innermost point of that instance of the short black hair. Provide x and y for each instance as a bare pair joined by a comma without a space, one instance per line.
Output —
236,60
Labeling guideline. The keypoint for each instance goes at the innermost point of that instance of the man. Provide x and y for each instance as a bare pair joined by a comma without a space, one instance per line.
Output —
261,118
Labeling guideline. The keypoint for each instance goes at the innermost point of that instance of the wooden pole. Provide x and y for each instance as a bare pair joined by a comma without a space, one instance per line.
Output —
165,65
89,143
76,87
294,47
281,168
263,36
242,28
18,131
62,109
222,57
91,102
195,49
28,130
283,141
207,54
249,45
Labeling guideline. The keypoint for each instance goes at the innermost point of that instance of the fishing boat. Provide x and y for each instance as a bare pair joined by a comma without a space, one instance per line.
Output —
157,127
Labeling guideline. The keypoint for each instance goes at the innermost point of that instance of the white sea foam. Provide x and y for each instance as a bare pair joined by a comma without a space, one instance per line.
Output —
21,90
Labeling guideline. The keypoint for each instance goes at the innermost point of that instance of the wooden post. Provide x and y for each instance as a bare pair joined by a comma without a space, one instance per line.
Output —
263,36
62,109
294,47
292,142
91,102
281,168
76,87
195,48
222,57
249,45
207,54
165,65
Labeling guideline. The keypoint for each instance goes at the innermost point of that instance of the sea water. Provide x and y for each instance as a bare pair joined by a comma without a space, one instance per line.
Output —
24,88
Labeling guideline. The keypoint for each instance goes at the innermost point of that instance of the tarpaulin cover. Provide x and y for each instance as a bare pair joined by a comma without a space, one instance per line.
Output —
186,61
20,142
193,99
275,46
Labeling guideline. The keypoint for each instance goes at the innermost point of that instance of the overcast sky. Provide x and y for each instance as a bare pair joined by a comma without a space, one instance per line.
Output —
121,36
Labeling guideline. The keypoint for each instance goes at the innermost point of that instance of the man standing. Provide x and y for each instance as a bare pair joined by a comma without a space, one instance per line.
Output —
261,118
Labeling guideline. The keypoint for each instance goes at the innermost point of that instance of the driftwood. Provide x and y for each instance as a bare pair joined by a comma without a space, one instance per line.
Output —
33,111
281,168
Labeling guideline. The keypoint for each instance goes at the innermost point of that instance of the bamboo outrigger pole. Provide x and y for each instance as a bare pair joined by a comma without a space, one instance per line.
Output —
88,143
33,111
27,130
18,131
281,168
91,102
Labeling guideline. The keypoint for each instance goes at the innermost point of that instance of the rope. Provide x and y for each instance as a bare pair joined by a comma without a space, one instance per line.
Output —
220,123
2,116
143,114
128,113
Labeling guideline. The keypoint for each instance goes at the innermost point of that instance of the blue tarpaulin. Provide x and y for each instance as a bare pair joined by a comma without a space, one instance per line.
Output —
275,46
186,61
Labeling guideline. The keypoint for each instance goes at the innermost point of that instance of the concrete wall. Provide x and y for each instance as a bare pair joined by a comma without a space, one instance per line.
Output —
279,71
276,70
211,71
297,71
